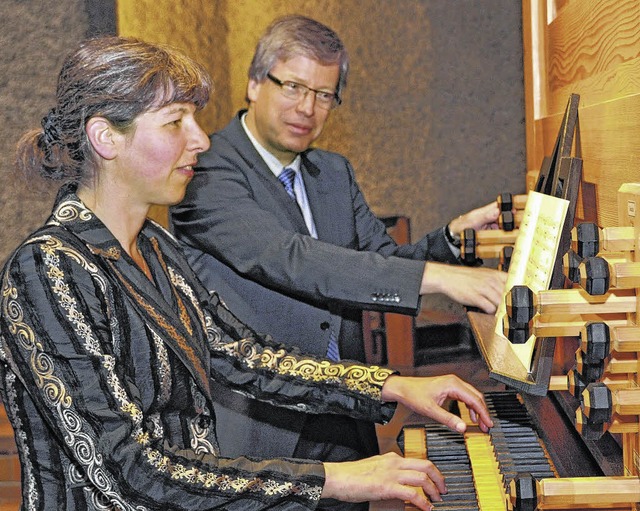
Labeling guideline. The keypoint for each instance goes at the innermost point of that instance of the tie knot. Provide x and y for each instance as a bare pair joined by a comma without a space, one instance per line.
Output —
287,177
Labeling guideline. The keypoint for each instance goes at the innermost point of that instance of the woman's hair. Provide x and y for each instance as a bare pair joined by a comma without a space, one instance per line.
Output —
115,78
293,36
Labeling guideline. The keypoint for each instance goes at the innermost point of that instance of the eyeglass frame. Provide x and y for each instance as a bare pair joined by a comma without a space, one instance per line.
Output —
337,101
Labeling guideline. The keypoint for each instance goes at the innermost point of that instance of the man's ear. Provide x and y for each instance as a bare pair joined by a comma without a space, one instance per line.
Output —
103,137
253,88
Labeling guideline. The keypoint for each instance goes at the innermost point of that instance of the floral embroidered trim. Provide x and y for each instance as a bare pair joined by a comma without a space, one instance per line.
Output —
225,483
367,380
28,477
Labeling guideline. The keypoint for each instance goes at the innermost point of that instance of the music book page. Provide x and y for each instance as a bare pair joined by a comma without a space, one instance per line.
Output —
534,255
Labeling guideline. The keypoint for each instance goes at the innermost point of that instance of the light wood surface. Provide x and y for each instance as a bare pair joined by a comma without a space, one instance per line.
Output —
592,48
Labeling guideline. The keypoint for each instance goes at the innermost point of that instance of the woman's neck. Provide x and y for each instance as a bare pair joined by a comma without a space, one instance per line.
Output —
121,216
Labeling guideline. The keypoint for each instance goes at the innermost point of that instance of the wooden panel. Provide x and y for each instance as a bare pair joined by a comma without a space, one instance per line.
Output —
591,48
610,136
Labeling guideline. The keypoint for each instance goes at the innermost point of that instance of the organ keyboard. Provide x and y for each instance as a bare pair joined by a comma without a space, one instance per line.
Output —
508,469
479,467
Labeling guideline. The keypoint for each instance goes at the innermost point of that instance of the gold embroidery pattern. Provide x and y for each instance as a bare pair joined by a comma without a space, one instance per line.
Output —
53,389
110,253
213,333
182,342
193,475
200,424
367,380
184,317
71,210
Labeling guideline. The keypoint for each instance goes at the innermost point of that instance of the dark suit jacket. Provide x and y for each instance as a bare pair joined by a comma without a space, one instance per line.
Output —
247,240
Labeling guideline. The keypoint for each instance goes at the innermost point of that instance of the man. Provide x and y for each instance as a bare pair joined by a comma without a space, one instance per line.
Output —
304,268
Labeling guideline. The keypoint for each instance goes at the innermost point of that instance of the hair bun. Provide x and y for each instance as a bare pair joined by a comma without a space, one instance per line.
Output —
51,128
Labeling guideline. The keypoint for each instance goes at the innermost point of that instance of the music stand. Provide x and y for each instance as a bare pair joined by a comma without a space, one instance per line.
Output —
560,176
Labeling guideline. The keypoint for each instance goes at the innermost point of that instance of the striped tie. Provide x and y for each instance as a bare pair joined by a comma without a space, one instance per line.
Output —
333,352
286,177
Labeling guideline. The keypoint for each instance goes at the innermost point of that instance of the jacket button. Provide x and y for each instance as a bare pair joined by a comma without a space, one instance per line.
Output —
324,325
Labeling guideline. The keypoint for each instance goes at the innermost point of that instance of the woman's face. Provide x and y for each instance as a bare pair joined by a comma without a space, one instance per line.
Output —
156,160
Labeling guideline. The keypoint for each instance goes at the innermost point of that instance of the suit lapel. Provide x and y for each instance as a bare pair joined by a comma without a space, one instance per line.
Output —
281,203
319,192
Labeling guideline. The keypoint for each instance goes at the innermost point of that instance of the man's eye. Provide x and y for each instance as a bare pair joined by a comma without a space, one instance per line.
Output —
324,96
291,86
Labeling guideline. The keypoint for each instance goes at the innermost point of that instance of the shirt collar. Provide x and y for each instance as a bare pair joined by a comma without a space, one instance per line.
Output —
272,162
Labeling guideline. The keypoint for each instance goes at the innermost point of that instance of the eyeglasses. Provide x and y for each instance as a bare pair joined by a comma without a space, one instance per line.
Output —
296,91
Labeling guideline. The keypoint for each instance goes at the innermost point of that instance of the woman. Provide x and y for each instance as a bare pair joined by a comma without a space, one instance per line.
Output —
109,342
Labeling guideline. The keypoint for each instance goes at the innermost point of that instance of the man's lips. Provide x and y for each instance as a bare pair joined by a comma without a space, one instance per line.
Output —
300,129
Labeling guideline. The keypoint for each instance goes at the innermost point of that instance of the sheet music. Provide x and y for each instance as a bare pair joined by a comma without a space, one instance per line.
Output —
534,255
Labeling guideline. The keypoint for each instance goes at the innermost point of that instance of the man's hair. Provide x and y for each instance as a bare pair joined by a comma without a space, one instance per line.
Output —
294,36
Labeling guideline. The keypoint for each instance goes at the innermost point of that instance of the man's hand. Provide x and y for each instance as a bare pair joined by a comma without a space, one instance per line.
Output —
426,395
384,477
473,286
478,219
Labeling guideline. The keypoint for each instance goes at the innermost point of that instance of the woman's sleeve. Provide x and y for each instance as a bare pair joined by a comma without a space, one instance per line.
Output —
282,375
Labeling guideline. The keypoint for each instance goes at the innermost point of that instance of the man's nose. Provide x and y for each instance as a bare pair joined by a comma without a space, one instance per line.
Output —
307,104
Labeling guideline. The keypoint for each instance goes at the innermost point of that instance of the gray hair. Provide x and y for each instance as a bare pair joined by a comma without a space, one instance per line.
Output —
293,36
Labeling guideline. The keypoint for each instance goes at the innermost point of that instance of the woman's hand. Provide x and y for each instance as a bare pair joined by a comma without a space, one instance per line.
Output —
426,395
385,477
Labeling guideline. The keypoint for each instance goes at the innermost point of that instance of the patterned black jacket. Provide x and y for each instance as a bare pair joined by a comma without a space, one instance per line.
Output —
106,378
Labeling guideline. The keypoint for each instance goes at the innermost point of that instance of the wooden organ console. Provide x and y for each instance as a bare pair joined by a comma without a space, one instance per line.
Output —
581,389
567,429
593,387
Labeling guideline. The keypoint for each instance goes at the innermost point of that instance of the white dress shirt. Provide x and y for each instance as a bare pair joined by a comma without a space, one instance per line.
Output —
298,184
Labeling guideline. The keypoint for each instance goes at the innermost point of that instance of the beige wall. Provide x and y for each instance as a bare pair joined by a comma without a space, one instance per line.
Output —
433,118
433,115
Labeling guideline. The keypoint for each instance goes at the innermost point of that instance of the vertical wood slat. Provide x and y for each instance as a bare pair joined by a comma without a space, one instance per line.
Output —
9,466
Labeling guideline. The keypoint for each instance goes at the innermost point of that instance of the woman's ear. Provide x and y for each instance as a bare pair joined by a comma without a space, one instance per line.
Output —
103,137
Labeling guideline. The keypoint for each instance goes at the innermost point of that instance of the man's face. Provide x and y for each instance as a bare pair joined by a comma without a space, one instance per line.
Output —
286,127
